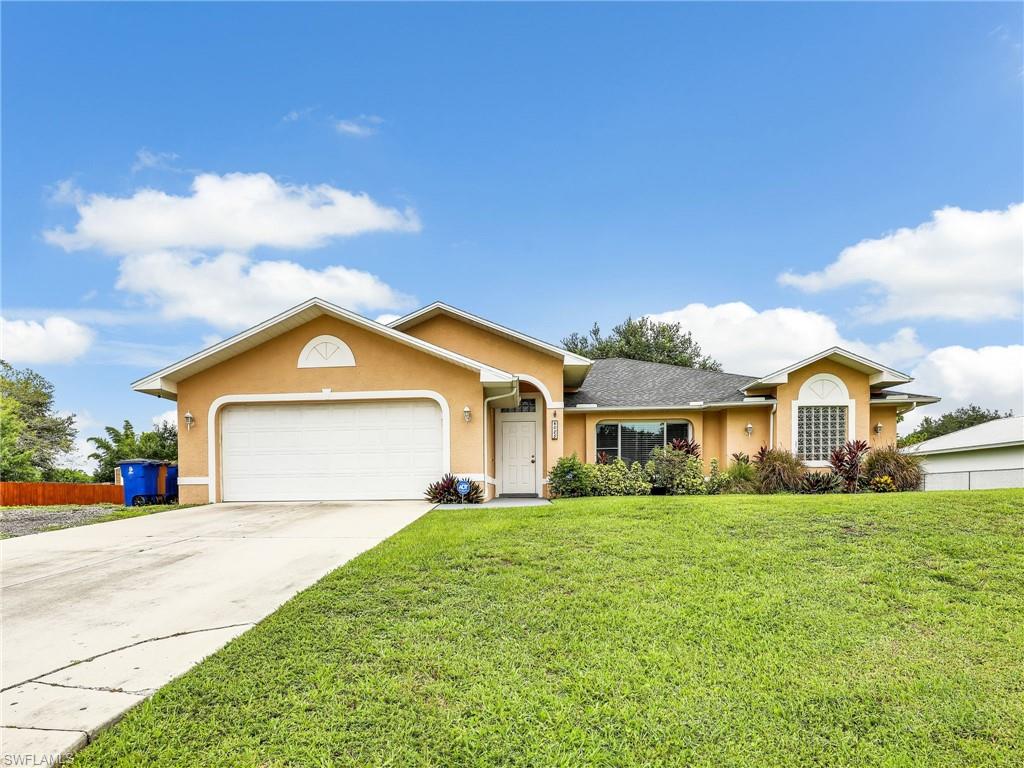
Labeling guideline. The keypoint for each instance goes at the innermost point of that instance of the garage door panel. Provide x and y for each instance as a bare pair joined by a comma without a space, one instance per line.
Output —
311,451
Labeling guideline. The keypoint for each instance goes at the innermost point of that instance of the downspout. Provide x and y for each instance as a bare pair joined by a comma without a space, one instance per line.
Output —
515,389
771,426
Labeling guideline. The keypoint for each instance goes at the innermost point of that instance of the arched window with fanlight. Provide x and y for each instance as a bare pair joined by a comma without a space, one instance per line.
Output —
326,352
823,418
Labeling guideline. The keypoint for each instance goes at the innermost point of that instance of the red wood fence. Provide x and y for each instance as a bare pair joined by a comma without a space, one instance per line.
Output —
33,494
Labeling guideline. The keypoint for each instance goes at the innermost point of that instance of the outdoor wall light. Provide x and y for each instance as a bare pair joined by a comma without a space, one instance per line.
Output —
467,414
878,428
749,429
189,420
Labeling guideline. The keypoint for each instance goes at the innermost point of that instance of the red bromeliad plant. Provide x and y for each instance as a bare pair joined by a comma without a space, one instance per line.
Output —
689,447
845,462
603,457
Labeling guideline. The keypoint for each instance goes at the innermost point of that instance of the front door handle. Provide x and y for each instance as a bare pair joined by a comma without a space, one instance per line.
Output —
533,459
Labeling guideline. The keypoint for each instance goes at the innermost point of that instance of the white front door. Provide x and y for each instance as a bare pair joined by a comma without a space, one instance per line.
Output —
518,457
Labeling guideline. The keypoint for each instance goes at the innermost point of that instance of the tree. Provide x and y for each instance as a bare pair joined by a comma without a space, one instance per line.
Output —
124,443
968,416
642,339
43,435
15,461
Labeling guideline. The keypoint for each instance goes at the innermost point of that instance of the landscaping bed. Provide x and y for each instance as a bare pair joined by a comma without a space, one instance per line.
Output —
838,630
21,521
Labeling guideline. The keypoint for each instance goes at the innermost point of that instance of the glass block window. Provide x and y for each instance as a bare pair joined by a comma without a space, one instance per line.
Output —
526,405
820,428
634,441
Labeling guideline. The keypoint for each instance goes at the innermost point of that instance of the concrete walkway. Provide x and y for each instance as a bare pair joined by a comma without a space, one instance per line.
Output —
97,618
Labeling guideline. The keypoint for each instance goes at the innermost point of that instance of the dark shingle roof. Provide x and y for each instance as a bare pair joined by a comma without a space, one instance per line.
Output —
617,382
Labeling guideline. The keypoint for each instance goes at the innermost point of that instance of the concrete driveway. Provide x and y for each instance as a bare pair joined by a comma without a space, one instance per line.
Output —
97,618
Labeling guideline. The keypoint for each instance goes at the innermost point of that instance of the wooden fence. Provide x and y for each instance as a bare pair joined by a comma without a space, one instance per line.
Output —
38,494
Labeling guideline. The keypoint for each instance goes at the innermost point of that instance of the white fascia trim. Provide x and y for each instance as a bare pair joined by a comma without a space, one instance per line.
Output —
568,358
585,408
193,480
904,400
487,373
1012,444
313,397
781,376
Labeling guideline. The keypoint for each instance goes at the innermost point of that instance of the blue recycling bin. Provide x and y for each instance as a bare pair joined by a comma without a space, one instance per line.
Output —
140,478
171,487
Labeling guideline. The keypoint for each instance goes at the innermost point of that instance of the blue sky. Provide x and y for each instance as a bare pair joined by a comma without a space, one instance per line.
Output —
543,165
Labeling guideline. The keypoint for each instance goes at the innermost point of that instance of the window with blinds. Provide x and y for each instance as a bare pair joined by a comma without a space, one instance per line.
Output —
634,440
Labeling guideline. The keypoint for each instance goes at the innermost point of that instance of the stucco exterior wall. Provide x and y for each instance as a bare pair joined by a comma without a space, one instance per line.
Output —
735,438
886,416
574,438
855,381
511,356
381,364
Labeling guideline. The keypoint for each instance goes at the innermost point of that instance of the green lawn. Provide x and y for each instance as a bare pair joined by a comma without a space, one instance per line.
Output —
869,630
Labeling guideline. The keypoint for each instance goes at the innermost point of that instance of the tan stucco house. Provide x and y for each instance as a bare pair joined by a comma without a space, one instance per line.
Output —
322,403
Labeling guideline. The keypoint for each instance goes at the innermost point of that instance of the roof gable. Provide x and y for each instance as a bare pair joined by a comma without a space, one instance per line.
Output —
163,383
878,375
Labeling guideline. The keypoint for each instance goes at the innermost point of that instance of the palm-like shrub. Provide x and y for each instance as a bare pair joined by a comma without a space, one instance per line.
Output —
742,475
820,482
778,470
903,469
446,491
687,447
846,462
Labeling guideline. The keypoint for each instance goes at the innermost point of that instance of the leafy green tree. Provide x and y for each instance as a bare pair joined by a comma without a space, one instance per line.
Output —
44,436
15,461
67,475
642,339
124,443
967,416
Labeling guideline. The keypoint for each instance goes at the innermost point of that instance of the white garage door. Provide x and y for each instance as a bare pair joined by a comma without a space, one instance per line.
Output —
324,451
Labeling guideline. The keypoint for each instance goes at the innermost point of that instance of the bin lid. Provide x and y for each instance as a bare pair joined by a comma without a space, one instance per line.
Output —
140,461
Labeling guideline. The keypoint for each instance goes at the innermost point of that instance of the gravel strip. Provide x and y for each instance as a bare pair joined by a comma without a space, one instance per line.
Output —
21,521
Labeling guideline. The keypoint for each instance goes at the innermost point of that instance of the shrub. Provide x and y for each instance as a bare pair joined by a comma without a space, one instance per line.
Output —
845,462
571,478
820,482
742,475
616,479
904,469
717,481
678,472
445,491
741,458
689,447
882,484
778,470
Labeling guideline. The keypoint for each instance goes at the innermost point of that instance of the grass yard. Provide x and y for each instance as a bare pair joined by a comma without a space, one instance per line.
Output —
872,630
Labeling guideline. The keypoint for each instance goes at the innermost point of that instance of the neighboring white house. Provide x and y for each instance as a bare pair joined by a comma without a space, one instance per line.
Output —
990,455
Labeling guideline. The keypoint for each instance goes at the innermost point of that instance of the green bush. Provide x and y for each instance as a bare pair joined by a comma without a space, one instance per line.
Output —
778,470
571,478
616,479
717,481
678,472
742,475
903,469
882,484
820,482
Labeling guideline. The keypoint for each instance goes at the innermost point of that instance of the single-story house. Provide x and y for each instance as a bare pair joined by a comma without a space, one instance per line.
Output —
322,403
989,455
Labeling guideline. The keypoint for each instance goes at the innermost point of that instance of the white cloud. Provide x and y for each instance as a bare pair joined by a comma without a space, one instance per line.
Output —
360,127
237,211
232,290
992,377
961,265
54,340
295,115
147,158
754,342
386,318
170,416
